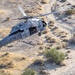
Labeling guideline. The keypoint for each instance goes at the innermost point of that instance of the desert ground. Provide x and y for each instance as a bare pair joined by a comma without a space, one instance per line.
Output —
21,54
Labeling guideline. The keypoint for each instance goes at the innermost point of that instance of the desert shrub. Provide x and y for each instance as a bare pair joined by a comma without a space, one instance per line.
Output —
45,31
29,72
45,1
70,12
54,56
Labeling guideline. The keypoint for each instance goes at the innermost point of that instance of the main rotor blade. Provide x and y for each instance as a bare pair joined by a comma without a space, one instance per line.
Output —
48,14
30,17
21,10
42,15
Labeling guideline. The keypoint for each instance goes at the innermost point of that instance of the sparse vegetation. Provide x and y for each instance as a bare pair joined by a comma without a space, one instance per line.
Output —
70,12
41,47
45,1
50,39
45,31
43,72
54,56
29,72
40,43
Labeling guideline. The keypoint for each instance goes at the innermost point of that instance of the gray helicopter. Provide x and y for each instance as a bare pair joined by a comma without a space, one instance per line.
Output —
26,28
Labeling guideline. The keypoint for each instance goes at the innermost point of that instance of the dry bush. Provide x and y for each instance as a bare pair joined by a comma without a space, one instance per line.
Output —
43,72
63,36
10,61
5,72
41,52
45,1
51,23
46,30
29,72
47,47
33,11
48,37
52,40
54,56
65,40
40,43
41,47
64,44
55,28
58,47
61,45
70,12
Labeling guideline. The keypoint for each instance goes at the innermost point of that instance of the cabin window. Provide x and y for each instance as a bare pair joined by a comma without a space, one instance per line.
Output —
32,30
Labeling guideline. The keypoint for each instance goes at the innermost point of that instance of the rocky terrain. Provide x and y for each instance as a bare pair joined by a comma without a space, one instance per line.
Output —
59,34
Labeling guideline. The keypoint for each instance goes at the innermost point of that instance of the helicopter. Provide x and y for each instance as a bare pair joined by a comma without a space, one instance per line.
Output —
26,28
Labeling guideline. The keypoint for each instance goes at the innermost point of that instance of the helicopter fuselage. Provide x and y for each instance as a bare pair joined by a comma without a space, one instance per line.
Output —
23,29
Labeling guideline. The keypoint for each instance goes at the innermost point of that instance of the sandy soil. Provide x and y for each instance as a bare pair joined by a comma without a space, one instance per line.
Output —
60,31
